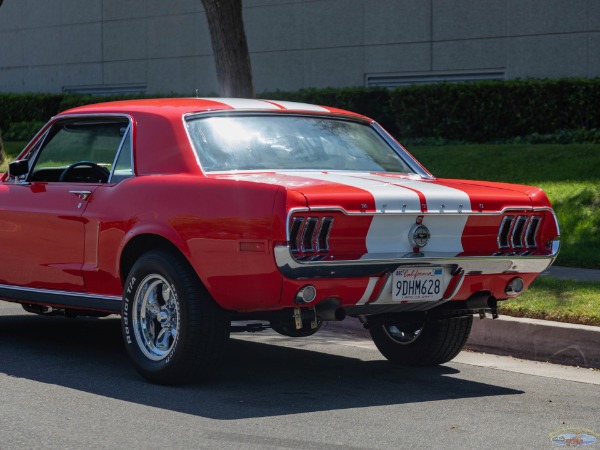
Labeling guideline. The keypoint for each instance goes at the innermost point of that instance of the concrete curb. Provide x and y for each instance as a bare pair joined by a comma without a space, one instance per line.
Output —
572,273
538,340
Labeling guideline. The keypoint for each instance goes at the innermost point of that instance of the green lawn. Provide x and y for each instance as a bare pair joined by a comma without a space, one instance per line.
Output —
12,150
560,300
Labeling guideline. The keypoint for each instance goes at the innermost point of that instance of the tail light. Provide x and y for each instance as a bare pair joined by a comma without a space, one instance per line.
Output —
518,232
310,234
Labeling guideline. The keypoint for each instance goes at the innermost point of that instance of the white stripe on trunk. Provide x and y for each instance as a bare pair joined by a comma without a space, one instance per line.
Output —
390,233
388,198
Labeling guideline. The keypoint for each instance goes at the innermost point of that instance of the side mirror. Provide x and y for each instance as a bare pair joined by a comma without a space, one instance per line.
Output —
18,168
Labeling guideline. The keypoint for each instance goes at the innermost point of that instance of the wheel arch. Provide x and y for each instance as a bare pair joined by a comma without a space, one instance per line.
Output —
140,244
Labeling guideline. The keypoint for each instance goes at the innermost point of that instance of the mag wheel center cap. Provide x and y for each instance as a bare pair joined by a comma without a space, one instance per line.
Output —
163,317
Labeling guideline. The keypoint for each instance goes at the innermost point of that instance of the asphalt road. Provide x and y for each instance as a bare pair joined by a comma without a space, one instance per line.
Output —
67,384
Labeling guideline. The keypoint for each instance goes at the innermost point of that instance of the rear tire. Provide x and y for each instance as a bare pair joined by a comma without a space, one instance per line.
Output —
173,330
427,343
290,331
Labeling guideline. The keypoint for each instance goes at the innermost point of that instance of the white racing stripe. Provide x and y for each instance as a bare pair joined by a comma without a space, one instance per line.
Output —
388,198
389,233
368,291
442,198
301,106
453,200
243,103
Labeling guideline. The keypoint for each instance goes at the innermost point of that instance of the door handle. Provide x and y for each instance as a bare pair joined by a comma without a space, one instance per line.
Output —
83,195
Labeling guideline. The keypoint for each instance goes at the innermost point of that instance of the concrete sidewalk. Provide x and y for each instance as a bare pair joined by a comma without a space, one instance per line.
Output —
538,340
572,273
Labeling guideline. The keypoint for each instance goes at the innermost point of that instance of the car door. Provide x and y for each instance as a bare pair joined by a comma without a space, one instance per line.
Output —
42,231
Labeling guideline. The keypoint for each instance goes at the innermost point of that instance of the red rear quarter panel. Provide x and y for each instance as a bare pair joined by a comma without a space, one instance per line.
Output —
224,229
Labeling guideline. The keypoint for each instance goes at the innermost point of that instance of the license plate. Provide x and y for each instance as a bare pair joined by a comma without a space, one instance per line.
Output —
417,284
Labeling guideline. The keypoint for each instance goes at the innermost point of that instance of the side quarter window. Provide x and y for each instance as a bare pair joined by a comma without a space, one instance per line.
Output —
79,151
123,167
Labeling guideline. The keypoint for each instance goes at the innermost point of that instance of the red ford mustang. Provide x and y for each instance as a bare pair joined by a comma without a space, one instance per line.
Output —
195,217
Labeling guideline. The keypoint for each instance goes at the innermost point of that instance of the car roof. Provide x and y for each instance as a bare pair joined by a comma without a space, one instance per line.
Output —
181,106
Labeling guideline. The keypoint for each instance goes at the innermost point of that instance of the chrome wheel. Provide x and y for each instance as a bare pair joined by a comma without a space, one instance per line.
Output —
403,333
174,332
156,317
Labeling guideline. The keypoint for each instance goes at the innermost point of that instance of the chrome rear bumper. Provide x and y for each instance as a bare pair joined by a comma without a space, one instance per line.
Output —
374,264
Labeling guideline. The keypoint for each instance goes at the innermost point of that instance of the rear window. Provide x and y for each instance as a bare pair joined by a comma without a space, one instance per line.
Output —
278,142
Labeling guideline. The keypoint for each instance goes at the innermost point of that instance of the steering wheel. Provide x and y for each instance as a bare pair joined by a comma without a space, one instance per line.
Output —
102,172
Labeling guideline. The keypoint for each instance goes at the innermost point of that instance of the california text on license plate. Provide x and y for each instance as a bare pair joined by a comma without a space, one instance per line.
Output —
418,284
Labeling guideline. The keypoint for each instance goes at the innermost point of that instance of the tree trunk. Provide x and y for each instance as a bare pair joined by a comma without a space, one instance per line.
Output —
2,153
230,48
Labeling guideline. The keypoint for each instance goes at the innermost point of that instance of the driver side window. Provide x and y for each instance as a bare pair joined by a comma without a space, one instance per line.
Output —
81,151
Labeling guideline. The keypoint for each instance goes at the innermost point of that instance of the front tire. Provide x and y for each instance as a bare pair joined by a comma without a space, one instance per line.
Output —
174,332
426,343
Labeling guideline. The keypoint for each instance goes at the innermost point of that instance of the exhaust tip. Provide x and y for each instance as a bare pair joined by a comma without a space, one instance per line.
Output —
329,310
306,294
515,286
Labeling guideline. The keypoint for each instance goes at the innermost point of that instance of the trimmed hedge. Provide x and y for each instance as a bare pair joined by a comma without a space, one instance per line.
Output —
483,111
491,111
27,108
372,102
22,131
488,111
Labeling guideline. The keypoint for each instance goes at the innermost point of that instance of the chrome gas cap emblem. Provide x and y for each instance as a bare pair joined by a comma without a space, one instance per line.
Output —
419,235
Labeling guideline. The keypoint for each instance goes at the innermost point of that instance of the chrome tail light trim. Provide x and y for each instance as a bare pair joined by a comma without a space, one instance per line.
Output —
516,237
310,234
531,232
295,233
518,232
323,234
504,232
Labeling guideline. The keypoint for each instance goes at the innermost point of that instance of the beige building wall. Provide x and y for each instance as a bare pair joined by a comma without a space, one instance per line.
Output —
158,46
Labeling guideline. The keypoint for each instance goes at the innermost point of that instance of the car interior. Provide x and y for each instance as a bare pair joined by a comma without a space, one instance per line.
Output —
77,151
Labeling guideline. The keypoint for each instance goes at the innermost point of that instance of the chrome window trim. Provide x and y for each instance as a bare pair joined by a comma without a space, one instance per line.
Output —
114,165
33,147
91,117
402,152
